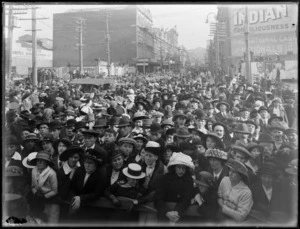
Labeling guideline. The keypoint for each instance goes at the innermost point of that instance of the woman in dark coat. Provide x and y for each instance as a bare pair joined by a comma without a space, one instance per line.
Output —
70,158
87,185
175,186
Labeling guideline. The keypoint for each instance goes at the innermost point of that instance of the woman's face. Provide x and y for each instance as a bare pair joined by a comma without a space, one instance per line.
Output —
10,150
239,156
255,152
234,176
201,149
132,182
61,148
140,144
215,163
90,166
72,161
47,145
251,128
109,137
219,130
138,123
117,163
210,143
41,164
266,180
150,158
180,170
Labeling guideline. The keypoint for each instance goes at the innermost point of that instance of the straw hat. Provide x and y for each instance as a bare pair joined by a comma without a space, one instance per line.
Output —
27,160
153,147
42,155
216,153
181,159
134,171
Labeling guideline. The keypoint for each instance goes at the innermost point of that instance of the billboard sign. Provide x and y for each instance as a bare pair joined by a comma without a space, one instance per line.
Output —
271,28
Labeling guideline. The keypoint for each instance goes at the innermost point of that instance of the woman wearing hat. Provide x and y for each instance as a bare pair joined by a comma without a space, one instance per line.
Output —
153,168
235,197
212,141
44,187
206,196
141,141
277,108
224,111
128,148
217,159
88,184
129,187
257,151
59,146
31,144
267,195
70,158
138,122
209,124
175,186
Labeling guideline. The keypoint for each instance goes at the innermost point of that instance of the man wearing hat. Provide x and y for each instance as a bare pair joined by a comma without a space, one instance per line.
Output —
277,131
242,133
292,135
179,119
209,110
55,129
156,134
100,126
291,111
69,130
47,144
263,122
157,117
124,128
154,170
90,138
12,157
224,111
266,141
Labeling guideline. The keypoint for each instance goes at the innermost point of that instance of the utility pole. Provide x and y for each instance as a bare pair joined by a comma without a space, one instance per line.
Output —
79,29
248,74
107,39
11,26
34,44
144,63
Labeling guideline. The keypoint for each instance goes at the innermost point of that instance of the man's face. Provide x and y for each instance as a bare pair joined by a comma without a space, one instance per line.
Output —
292,137
124,131
277,135
44,129
109,137
264,114
219,130
69,131
55,133
89,140
25,134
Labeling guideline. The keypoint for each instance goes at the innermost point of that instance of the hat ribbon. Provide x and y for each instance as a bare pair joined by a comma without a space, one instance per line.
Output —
133,172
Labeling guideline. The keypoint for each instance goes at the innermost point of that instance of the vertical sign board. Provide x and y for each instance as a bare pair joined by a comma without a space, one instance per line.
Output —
271,29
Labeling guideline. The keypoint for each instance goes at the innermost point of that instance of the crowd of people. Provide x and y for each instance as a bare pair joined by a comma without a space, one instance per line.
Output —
225,146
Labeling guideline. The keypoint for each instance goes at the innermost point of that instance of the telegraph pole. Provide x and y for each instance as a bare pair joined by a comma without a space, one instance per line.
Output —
248,74
11,26
34,45
80,31
107,39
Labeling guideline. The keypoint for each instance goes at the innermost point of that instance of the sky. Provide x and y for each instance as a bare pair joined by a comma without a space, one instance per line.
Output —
189,19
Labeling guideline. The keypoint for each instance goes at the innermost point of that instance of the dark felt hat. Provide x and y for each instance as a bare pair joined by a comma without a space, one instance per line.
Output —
100,123
155,128
90,132
71,123
65,141
79,125
224,103
94,155
71,150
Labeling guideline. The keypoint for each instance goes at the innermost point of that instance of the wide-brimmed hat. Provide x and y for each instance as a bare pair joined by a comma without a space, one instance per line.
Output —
262,108
79,125
147,123
71,150
115,154
293,167
216,153
177,115
94,155
157,114
219,143
128,140
65,141
242,128
242,150
124,122
253,145
290,131
14,171
250,121
181,159
183,132
43,122
90,132
167,122
141,136
278,126
12,140
268,168
70,123
55,124
41,155
114,121
134,171
224,103
274,116
100,123
153,147
47,138
31,136
27,160
138,116
155,128
204,178
201,115
238,167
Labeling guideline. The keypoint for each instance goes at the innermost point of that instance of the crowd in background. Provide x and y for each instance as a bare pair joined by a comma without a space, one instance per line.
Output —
228,147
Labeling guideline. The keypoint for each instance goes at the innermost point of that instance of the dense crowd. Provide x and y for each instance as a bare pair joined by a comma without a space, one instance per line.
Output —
218,143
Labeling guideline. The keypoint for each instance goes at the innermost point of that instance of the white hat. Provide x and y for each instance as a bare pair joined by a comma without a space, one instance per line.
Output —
131,91
131,97
26,161
134,171
181,159
152,144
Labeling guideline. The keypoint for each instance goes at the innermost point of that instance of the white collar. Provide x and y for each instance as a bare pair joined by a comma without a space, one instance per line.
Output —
217,174
17,156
